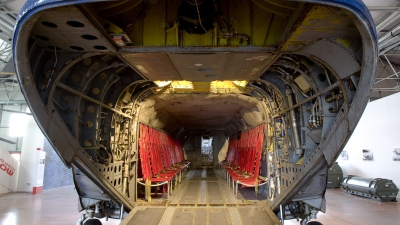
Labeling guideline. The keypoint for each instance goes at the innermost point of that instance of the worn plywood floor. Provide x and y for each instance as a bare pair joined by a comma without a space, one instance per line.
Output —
204,198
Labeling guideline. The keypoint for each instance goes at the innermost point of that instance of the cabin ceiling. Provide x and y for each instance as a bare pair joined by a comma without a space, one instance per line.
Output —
207,67
202,113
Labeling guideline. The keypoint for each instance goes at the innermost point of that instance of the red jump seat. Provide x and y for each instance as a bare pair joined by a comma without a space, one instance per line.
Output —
161,159
242,163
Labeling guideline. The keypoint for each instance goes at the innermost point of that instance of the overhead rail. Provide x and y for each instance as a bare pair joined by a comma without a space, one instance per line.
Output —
384,8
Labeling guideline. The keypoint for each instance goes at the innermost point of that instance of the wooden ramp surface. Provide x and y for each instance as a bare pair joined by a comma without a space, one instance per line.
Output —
203,198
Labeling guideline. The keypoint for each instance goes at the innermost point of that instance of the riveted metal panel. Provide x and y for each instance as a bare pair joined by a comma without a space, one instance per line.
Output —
155,66
335,55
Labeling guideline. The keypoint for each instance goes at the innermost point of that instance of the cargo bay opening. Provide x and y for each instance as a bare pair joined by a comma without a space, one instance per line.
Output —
94,74
205,122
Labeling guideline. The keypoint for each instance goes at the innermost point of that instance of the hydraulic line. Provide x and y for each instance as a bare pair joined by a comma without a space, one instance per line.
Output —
289,95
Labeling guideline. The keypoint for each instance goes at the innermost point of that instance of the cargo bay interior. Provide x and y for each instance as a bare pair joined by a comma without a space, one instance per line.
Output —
198,129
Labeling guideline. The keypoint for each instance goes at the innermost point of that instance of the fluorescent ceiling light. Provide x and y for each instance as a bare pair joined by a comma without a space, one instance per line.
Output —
162,83
18,124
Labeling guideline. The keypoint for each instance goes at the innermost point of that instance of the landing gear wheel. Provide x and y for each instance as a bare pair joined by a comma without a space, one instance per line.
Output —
314,223
92,222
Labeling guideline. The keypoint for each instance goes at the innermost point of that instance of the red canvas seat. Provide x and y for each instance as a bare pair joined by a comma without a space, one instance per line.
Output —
243,159
161,159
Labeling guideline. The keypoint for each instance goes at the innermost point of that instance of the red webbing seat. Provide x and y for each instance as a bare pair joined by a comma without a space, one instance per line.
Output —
161,158
243,162
229,155
144,153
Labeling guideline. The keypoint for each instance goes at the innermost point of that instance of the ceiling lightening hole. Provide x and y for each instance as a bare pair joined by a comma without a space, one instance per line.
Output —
89,37
49,24
40,37
99,47
198,64
75,23
77,48
321,77
52,47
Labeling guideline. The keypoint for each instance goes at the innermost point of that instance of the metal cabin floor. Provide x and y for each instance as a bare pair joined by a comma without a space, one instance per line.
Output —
204,198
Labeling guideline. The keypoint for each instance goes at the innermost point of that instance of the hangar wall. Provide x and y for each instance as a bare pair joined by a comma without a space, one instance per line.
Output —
9,168
56,174
5,121
378,131
29,162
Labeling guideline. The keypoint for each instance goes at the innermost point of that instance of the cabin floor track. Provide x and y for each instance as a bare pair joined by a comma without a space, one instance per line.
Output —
204,197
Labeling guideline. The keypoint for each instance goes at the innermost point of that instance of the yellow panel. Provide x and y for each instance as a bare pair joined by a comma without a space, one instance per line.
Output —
225,87
275,30
218,87
304,83
240,17
201,86
197,39
182,84
154,26
345,42
275,7
172,36
321,22
261,25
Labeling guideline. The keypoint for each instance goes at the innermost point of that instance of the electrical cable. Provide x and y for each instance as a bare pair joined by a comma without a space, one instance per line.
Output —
201,24
141,15
198,13
54,67
164,16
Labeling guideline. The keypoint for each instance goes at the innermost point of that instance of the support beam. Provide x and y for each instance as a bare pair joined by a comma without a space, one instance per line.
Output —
387,78
388,48
13,111
386,89
384,8
390,64
73,91
308,99
5,3
9,12
8,141
13,102
387,21
396,74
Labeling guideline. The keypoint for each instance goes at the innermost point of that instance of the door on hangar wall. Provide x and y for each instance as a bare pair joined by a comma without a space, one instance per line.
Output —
207,150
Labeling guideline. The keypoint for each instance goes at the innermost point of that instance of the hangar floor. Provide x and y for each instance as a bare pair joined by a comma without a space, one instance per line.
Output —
59,206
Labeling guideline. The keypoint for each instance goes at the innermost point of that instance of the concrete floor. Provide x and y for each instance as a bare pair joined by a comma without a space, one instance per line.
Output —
345,209
59,206
52,207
